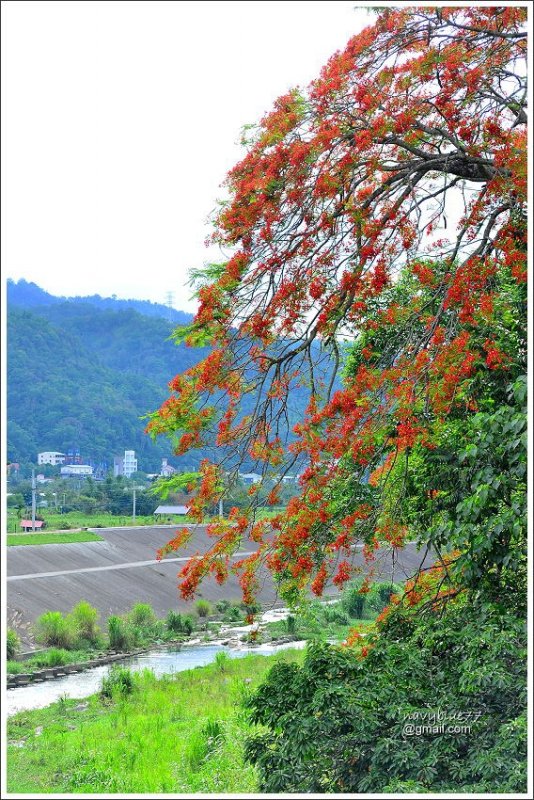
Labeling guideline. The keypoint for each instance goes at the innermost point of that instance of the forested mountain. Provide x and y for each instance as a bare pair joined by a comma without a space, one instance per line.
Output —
24,294
81,375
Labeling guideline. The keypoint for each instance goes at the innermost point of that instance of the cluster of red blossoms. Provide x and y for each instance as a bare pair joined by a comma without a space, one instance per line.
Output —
336,193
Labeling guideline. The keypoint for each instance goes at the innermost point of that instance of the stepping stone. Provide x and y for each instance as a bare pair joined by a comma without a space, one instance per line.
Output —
48,673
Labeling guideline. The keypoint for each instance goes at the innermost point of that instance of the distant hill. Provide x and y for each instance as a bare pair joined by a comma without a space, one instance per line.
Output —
82,373
24,294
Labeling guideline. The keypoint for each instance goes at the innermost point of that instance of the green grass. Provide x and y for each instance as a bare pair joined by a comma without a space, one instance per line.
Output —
76,519
16,539
178,734
51,657
322,631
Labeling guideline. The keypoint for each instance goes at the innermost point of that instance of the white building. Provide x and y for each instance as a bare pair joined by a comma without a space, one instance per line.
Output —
51,457
170,511
250,477
166,470
76,471
125,465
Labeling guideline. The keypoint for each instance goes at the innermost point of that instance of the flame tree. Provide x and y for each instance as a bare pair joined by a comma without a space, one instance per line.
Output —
381,212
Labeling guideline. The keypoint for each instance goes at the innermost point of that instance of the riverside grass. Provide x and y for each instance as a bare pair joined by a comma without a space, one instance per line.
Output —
77,519
18,539
181,733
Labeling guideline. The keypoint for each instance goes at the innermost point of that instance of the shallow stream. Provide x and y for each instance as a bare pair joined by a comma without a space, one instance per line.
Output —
162,662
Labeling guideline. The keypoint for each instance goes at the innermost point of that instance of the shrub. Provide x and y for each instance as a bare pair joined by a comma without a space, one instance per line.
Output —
55,657
119,635
142,614
335,614
12,643
189,624
380,594
203,608
135,634
291,624
118,681
222,606
54,630
15,667
83,619
353,601
233,614
469,661
174,622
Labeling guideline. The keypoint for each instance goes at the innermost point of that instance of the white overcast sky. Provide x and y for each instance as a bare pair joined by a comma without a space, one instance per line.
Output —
121,119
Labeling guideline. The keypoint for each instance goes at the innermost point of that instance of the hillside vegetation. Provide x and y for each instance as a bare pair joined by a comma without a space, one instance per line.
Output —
83,372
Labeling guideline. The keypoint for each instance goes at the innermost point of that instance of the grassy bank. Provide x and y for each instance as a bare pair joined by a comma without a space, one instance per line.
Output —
16,539
76,519
178,734
322,630
51,657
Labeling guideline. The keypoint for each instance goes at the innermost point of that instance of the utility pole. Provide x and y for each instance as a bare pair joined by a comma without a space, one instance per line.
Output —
221,513
133,505
34,493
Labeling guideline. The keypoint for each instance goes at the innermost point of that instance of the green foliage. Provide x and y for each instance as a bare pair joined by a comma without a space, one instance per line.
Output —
83,619
174,622
54,657
119,681
222,661
380,593
291,624
119,635
203,608
482,510
15,667
353,600
12,643
316,621
53,629
50,538
251,608
346,714
16,500
333,612
233,614
189,624
142,615
338,723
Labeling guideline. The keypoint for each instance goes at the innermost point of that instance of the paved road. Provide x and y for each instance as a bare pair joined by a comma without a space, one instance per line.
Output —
122,570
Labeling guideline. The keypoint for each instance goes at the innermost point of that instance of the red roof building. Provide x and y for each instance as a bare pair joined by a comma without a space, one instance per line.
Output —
26,524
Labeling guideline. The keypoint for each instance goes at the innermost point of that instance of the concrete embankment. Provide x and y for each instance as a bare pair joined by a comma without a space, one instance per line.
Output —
122,570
